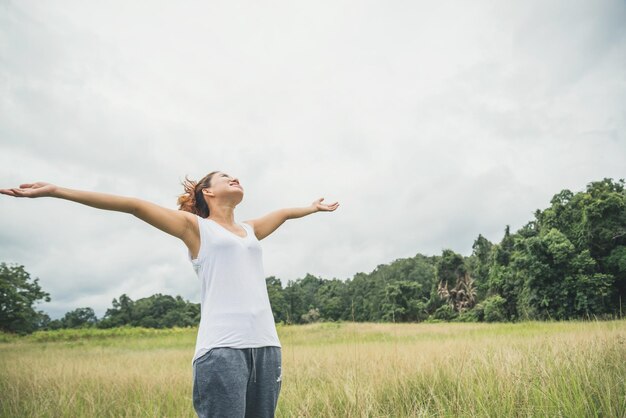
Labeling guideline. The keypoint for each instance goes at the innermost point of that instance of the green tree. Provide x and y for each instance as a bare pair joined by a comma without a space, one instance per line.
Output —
300,297
493,309
604,220
504,278
365,292
18,294
156,311
294,302
560,282
403,302
79,318
450,267
615,265
276,295
479,263
333,301
120,314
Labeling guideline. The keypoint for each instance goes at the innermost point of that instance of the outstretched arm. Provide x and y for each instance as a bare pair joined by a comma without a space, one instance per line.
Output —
269,223
177,223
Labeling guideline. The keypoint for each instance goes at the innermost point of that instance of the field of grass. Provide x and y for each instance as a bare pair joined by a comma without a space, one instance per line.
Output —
532,369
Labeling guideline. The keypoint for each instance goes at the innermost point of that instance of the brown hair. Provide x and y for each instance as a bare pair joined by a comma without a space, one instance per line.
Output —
192,200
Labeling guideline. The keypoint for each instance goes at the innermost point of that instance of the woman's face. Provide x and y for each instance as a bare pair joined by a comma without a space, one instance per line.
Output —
222,183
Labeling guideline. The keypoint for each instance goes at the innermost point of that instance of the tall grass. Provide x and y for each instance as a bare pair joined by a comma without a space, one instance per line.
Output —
568,369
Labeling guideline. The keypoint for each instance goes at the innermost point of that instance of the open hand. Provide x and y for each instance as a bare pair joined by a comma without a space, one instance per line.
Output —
39,189
319,206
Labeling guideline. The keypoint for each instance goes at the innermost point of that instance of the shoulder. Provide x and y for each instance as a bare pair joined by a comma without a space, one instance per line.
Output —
191,218
250,223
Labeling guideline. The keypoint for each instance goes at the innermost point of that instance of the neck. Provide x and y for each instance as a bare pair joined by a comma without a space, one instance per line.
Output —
224,214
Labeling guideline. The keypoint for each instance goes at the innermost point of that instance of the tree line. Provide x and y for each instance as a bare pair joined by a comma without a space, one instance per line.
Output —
569,262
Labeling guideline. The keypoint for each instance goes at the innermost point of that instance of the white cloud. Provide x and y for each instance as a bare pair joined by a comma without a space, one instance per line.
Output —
429,123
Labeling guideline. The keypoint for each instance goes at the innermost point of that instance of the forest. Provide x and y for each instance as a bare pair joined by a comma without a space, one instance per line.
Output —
569,262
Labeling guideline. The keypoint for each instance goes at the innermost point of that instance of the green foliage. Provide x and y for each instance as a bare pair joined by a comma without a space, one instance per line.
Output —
403,302
333,300
471,315
400,291
78,318
504,278
277,299
450,267
493,309
18,294
567,263
445,313
97,334
479,263
615,265
156,311
6,337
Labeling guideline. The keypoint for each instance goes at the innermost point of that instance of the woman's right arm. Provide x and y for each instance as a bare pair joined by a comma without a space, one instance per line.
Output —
178,223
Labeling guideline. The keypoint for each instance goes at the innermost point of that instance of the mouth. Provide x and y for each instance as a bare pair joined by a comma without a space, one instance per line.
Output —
236,185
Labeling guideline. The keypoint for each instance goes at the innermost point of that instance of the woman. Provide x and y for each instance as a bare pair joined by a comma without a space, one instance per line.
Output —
237,360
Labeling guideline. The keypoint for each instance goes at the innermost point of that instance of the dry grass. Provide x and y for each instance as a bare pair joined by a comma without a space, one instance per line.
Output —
531,369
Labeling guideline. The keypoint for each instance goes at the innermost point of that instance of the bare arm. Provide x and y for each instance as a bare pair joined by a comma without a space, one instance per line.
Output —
267,224
177,223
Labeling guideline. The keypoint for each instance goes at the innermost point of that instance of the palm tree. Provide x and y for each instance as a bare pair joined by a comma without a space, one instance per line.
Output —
462,296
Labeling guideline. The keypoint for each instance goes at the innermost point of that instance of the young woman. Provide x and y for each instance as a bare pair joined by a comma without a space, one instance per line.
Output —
237,360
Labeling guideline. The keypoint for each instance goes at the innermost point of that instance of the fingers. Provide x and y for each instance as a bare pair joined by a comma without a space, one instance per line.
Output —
326,206
12,192
17,192
25,190
329,207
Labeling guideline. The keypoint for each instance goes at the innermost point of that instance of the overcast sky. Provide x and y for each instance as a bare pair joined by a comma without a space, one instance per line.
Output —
429,122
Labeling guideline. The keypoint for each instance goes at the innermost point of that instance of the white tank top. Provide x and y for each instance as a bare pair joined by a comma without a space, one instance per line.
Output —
235,308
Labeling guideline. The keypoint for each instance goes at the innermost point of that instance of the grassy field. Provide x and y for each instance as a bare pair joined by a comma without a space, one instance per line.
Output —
558,369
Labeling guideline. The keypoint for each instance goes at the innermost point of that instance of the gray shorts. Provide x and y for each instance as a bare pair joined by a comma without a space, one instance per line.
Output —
237,382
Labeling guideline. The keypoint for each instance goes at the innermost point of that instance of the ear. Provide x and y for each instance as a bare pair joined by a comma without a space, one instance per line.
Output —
206,192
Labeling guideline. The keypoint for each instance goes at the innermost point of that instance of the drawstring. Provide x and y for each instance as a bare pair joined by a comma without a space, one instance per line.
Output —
253,365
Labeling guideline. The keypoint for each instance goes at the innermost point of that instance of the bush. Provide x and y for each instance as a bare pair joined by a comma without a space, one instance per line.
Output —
312,316
493,309
445,313
471,315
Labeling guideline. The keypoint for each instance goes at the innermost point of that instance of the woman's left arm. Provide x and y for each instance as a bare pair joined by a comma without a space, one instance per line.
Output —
269,223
